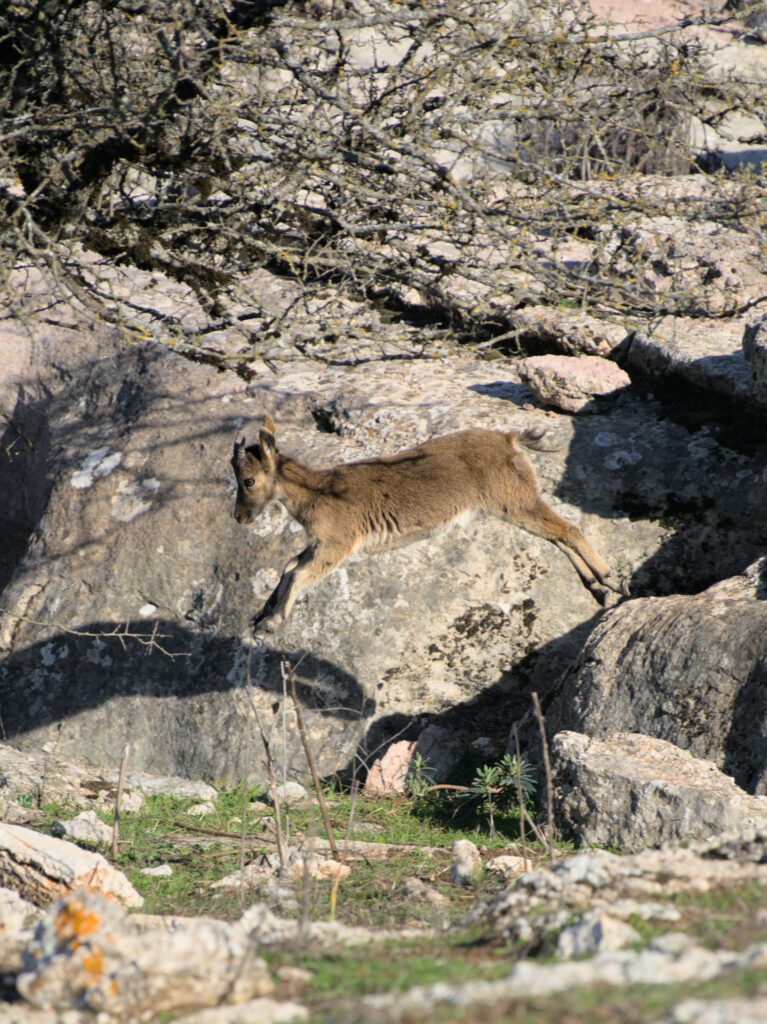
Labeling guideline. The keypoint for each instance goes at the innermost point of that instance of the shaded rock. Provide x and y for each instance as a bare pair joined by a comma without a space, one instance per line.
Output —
85,827
755,18
632,791
41,868
755,349
568,332
677,355
466,861
441,749
598,933
691,670
87,953
572,383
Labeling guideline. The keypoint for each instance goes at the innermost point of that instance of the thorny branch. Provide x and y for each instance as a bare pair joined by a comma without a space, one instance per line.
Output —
301,180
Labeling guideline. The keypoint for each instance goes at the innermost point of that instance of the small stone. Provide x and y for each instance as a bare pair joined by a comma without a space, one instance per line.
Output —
200,810
416,889
572,382
466,861
599,934
161,871
85,827
291,793
508,866
293,975
672,943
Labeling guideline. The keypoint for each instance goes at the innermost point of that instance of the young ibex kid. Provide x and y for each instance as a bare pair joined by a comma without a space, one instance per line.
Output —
374,503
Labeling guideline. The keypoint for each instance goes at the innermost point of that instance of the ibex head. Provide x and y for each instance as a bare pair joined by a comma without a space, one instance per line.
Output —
254,471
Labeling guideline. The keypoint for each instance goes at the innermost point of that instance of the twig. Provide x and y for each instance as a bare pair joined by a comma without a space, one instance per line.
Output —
220,833
521,800
244,824
148,640
119,798
288,671
547,770
285,752
281,845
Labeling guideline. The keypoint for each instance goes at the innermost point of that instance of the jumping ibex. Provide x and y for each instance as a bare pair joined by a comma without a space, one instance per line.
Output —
374,503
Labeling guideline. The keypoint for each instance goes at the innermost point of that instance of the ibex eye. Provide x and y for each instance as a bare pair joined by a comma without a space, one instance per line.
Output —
250,481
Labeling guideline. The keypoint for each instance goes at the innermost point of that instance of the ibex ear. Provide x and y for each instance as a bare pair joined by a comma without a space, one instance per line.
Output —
239,451
267,438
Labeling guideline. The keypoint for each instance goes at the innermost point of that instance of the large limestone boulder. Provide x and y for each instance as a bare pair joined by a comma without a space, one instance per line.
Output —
691,670
632,792
131,586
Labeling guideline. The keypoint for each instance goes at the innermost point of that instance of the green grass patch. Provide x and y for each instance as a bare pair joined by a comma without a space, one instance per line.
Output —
202,850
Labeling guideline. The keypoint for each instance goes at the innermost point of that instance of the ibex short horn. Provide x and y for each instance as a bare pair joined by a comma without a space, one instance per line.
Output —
377,502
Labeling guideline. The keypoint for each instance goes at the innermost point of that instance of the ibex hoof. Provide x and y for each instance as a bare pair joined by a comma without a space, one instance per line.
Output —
266,625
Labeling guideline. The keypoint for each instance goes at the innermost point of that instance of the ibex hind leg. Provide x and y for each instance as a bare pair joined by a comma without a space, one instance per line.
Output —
594,572
601,586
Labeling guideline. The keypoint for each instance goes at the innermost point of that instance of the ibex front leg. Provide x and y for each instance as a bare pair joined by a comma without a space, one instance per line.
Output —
594,572
313,562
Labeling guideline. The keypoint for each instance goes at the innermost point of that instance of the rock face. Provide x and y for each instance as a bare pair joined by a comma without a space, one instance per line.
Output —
688,669
631,792
134,586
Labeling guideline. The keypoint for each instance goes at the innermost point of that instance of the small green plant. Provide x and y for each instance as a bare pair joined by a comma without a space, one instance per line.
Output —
496,785
24,800
419,778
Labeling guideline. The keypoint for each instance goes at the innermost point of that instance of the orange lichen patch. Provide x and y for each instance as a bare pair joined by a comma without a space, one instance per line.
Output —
93,966
74,923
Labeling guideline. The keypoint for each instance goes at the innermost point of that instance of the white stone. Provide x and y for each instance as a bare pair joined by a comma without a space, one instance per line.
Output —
466,861
161,871
84,827
599,934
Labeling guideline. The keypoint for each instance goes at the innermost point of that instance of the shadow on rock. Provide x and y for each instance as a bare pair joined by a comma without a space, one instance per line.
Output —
179,696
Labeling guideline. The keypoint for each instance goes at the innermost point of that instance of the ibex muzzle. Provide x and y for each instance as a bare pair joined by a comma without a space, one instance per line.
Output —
378,502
